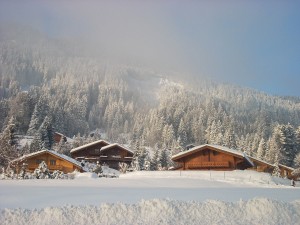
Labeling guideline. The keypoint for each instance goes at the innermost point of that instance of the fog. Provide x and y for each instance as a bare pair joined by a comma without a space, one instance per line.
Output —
251,43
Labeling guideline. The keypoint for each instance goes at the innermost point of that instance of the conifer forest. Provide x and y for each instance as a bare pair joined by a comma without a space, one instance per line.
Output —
49,85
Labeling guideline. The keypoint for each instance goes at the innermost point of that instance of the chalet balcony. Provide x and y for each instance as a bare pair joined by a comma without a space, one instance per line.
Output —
208,165
115,157
55,167
50,167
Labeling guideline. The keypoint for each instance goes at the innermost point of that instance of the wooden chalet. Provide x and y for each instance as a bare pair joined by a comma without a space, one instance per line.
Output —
58,137
211,157
263,166
286,171
112,154
103,152
54,161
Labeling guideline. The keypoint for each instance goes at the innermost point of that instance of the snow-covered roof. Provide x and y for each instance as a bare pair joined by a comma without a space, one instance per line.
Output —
114,145
70,140
88,145
261,161
216,147
62,156
286,167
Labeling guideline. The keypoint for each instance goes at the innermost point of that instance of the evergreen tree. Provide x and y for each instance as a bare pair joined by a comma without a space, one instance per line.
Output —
261,149
288,143
276,170
8,143
164,159
46,133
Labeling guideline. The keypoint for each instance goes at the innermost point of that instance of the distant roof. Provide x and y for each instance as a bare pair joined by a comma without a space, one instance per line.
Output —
88,145
62,156
114,145
68,138
216,147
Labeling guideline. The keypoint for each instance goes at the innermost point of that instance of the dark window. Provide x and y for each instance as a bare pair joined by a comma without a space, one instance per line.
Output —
52,162
38,161
215,153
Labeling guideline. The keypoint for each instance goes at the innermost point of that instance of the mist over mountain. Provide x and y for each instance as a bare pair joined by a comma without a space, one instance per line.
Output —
49,84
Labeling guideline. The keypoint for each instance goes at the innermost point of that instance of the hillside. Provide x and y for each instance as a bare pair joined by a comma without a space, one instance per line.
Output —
49,85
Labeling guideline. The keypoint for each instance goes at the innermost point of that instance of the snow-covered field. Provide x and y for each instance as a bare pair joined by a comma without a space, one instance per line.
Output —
167,197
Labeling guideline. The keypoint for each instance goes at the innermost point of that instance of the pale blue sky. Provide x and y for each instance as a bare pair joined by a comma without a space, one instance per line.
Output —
250,43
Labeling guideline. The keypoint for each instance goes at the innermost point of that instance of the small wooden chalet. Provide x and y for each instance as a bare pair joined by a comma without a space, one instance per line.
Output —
103,152
263,166
211,157
286,171
58,137
54,161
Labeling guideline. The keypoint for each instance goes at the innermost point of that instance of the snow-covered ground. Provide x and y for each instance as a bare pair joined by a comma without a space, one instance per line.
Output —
166,197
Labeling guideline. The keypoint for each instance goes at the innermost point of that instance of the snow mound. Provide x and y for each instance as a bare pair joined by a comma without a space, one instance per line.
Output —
156,211
109,172
86,175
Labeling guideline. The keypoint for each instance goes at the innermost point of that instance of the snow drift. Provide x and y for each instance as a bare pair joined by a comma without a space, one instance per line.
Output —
254,211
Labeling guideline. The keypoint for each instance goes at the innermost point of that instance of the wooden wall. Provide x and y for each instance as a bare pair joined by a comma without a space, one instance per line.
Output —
113,156
209,159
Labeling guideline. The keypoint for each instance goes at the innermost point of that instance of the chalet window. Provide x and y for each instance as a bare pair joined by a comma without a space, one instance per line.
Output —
38,161
215,153
52,162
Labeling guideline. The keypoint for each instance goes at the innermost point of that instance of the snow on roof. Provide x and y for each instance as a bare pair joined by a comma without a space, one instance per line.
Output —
222,148
88,145
114,145
68,138
260,160
286,167
67,158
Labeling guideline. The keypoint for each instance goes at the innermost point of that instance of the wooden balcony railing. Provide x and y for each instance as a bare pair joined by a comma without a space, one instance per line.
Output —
50,167
55,167
207,165
115,157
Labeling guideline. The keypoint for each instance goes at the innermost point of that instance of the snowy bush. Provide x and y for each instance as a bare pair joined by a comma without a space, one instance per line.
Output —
123,167
42,172
58,175
98,170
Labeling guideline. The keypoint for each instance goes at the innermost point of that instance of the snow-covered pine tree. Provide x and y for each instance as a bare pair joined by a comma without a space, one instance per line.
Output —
274,144
155,159
276,170
8,150
288,143
46,133
164,159
261,149
42,172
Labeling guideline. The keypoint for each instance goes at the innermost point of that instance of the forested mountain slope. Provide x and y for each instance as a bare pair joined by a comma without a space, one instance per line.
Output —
51,85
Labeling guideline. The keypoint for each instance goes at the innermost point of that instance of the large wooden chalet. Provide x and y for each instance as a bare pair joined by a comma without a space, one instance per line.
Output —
215,157
54,161
211,157
103,152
